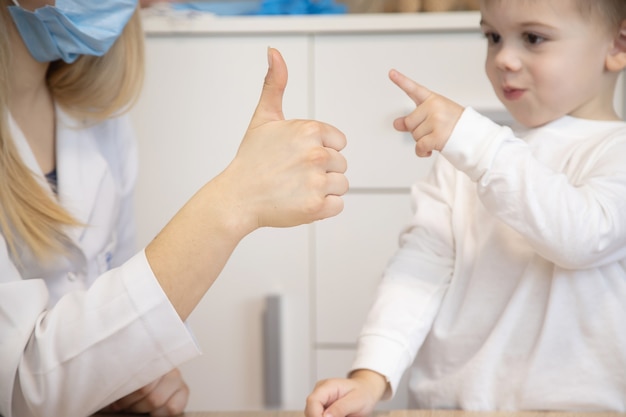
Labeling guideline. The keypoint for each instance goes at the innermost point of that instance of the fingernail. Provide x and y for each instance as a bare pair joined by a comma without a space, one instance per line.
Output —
269,57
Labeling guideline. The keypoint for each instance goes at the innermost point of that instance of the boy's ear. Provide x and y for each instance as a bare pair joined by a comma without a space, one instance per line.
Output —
616,59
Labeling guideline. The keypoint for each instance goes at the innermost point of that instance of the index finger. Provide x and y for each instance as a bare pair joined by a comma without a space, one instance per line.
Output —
416,92
332,137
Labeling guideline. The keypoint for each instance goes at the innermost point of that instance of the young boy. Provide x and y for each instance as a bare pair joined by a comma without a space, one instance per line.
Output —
509,288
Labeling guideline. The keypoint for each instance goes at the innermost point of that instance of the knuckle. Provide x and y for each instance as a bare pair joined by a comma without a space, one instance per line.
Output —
318,156
314,205
311,399
318,183
310,128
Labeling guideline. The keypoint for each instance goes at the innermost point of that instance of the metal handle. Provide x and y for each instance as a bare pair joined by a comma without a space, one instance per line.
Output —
272,352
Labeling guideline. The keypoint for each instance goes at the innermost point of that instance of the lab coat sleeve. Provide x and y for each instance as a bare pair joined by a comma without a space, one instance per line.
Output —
413,284
91,348
571,215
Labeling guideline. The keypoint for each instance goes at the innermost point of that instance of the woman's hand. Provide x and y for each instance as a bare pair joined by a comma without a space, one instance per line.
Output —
286,172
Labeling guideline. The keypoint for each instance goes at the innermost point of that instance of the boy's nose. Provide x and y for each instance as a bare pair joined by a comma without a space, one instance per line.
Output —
507,59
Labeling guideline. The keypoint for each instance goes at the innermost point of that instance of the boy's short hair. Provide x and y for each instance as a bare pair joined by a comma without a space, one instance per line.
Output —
611,11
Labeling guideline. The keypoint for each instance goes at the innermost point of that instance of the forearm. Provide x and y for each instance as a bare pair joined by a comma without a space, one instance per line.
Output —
570,213
188,255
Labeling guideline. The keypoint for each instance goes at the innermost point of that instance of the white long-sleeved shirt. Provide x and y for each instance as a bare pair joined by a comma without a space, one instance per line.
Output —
509,287
90,327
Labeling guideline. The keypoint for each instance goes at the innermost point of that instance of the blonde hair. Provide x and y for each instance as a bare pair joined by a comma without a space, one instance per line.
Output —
93,89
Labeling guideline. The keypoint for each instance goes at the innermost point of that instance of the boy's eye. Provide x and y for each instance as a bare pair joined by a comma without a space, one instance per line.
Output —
492,37
533,38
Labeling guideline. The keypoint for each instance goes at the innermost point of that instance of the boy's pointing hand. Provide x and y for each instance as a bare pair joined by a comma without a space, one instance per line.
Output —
432,121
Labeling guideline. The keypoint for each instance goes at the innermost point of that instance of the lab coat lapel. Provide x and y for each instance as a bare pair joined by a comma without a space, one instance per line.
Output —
80,169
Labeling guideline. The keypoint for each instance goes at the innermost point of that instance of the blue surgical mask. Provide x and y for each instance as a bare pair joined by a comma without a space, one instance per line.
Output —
72,28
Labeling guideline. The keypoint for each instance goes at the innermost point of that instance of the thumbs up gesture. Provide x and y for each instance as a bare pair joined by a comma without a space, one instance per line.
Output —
287,172
432,121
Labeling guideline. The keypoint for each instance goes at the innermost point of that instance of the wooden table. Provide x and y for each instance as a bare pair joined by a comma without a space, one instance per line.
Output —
395,413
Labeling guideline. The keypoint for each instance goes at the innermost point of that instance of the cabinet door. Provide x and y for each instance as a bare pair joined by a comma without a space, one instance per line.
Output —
199,94
353,91
229,329
352,251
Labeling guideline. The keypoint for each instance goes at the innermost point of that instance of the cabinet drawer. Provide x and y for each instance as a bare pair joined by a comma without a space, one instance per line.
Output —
352,91
352,251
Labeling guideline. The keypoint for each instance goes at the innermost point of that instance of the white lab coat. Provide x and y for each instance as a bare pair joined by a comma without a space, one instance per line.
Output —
92,326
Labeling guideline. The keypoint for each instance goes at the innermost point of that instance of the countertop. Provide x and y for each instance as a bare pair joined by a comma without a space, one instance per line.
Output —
164,21
403,413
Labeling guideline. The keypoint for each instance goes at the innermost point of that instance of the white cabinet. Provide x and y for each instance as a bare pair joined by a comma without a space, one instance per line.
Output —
351,252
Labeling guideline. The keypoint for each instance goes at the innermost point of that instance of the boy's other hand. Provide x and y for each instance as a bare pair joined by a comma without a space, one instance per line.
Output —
354,397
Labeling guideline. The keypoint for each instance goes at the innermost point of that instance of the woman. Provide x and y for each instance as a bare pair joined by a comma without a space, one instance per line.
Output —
85,321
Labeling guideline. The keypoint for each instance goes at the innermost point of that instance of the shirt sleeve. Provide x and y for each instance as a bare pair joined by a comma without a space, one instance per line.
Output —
91,348
568,205
413,284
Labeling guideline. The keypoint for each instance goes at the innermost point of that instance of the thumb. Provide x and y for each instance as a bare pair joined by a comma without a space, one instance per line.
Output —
270,107
416,92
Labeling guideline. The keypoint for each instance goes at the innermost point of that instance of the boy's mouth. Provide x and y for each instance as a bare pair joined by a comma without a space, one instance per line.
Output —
512,93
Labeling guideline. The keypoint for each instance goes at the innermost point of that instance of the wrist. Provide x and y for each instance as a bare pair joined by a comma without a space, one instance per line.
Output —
230,208
377,383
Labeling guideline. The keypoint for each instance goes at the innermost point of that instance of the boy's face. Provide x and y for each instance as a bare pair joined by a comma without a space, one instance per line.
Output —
545,60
